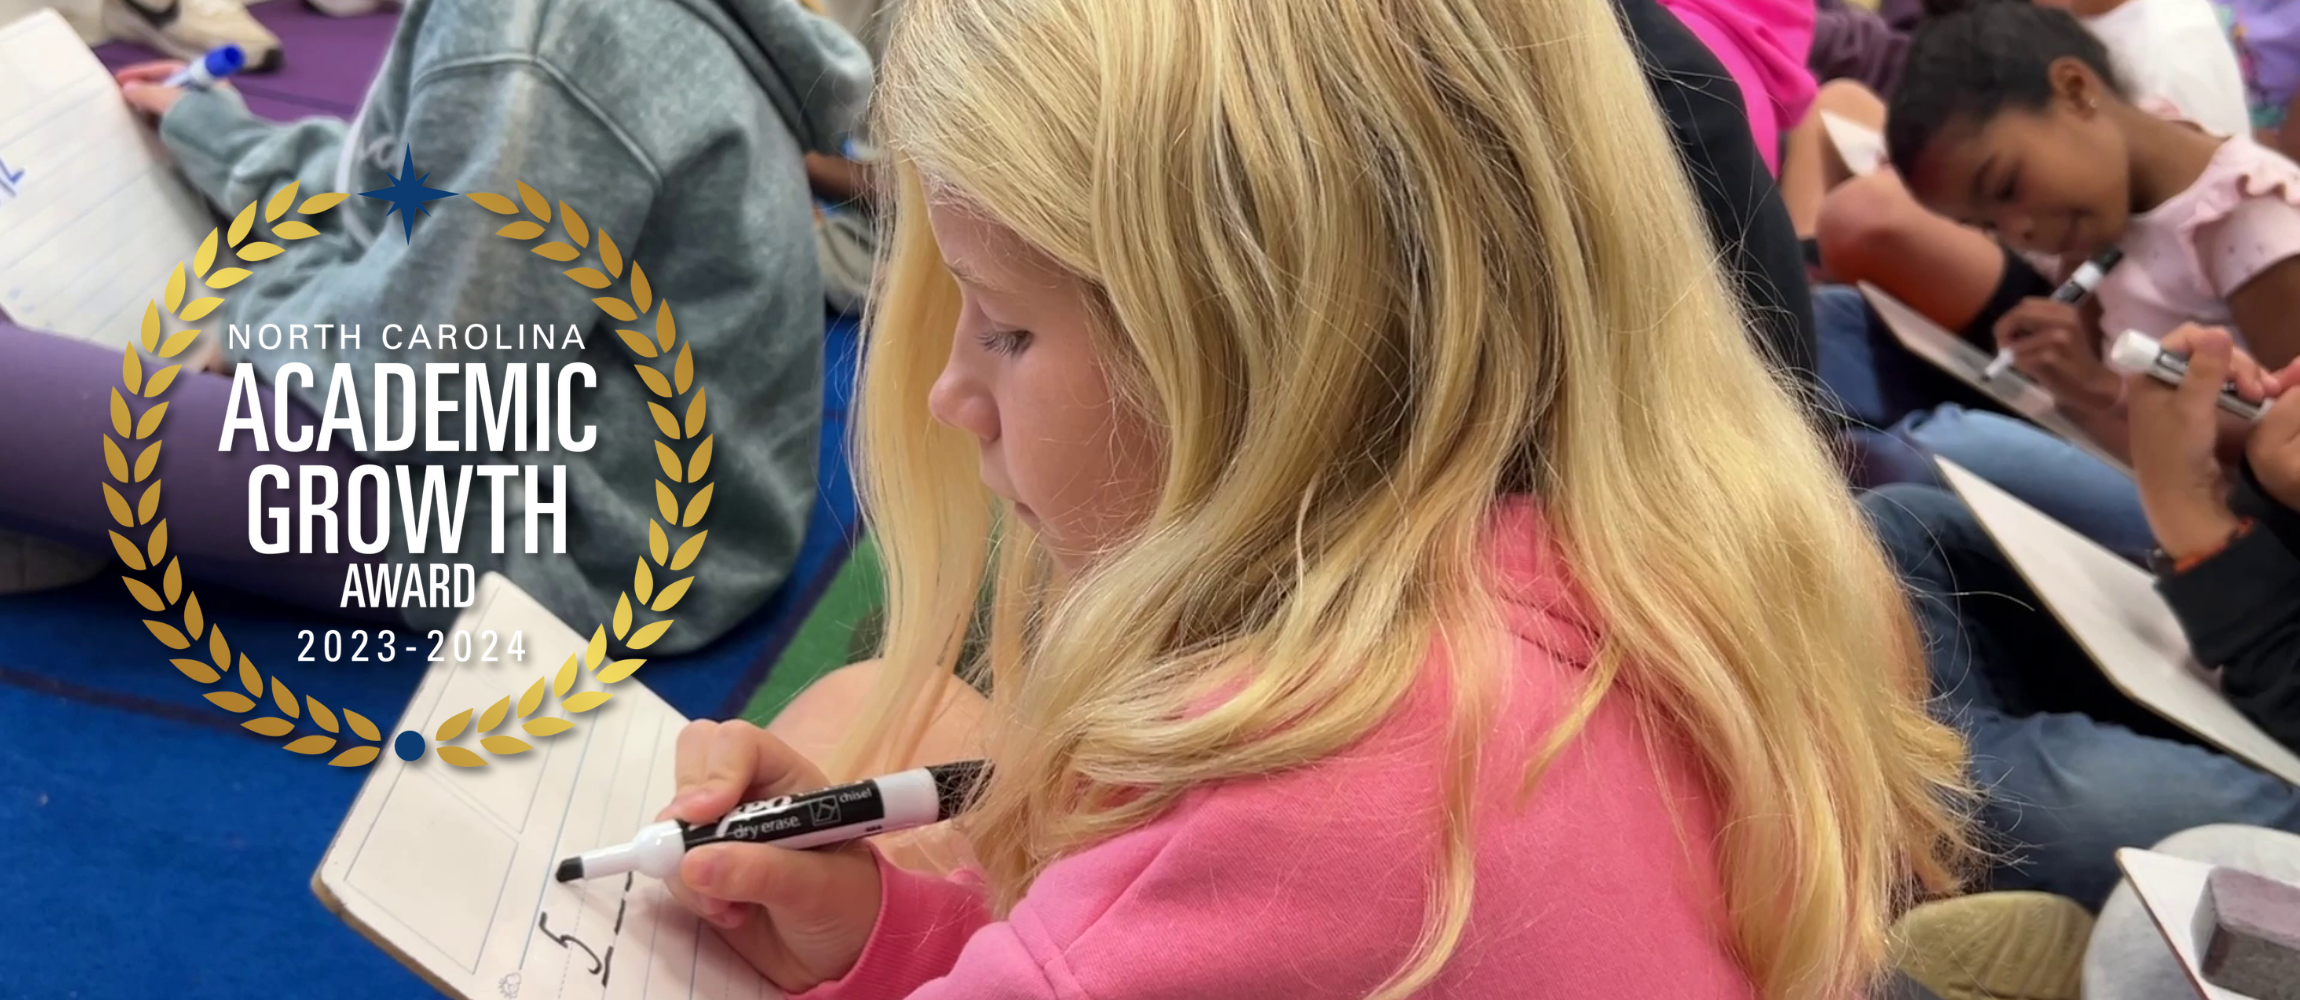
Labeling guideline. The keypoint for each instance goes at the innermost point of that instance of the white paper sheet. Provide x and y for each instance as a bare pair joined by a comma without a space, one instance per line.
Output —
2113,610
1861,147
2172,889
450,869
92,214
1952,354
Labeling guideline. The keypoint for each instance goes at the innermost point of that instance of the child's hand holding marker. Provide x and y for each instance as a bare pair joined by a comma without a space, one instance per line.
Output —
2177,391
154,87
2048,342
2072,292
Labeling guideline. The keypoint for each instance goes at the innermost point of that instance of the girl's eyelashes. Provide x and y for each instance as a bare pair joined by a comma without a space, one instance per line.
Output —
1004,341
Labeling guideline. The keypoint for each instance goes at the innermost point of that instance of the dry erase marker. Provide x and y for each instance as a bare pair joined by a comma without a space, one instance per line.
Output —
898,801
2136,353
204,72
2070,292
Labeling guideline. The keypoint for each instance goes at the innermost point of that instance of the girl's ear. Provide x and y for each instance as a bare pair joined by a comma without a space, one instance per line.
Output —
2076,84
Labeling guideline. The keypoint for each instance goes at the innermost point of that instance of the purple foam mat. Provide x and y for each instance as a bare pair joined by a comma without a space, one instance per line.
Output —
326,62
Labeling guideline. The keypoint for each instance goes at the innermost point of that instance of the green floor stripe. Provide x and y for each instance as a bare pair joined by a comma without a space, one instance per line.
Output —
825,641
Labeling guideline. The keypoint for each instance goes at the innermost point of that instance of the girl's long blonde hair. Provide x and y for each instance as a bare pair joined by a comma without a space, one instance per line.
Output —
1370,264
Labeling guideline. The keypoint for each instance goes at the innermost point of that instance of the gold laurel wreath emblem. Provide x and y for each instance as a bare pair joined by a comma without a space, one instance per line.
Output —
627,300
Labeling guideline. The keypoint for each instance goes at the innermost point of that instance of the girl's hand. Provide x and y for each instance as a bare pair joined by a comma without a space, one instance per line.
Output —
140,84
2051,345
2174,447
799,917
2274,447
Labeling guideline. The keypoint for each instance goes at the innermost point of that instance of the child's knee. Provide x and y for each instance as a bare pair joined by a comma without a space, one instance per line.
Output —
1850,99
1864,223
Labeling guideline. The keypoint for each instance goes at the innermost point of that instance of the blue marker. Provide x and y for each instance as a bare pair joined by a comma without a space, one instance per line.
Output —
205,71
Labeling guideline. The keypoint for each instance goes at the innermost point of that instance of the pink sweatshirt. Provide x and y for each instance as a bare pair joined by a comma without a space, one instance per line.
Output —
1763,44
1312,883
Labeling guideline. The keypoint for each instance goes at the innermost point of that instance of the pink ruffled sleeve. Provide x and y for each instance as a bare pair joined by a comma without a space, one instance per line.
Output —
2246,223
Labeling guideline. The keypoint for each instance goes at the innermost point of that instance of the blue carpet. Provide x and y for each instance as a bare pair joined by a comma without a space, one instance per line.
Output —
149,846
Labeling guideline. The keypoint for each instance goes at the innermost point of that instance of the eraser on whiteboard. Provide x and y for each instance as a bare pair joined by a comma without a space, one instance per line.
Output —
2248,934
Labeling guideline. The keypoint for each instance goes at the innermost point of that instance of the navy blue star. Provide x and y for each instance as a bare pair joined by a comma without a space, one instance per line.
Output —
407,196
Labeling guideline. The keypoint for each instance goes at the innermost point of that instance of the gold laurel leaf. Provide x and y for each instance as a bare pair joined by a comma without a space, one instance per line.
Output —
695,412
610,255
494,715
283,697
619,670
642,294
558,251
249,678
241,224
177,343
643,580
158,545
361,726
150,421
132,369
206,257
195,625
356,757
646,637
119,414
696,506
664,421
683,373
505,745
320,714
493,202
312,744
657,546
663,454
128,552
520,230
589,277
566,678
197,671
689,551
228,277
576,230
270,725
167,635
144,594
260,250
199,309
638,343
218,649
536,206
115,462
318,203
454,727
231,701
461,757
595,651
160,383
671,595
532,699
293,230
587,701
547,726
666,328
701,463
151,326
622,610
149,505
145,463
665,502
656,383
617,308
281,201
126,517
173,295
173,584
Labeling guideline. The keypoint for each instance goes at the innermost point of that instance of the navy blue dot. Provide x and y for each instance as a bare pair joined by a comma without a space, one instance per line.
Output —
409,745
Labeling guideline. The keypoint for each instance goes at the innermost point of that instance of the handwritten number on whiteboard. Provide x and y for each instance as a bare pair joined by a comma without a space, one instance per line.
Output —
543,923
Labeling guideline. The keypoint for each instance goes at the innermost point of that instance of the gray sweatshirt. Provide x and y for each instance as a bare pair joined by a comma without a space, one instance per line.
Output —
676,126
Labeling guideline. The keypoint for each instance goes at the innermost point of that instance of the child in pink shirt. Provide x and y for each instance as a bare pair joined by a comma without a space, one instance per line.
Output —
1763,45
1406,579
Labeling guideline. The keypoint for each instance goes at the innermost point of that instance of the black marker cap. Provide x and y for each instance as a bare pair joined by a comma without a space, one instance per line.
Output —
570,870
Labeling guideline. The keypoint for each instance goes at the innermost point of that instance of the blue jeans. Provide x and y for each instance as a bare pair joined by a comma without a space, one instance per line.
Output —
2069,769
2097,499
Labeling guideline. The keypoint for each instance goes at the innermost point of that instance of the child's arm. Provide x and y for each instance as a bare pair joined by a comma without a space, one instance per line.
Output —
2267,310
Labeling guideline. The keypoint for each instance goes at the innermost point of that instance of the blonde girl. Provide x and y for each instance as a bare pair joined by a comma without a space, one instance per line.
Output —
1408,580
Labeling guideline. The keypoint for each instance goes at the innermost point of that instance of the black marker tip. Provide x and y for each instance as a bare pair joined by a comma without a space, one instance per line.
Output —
570,870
